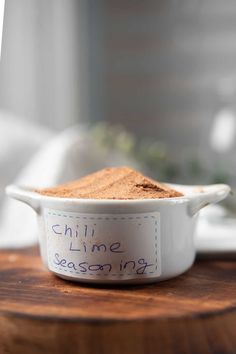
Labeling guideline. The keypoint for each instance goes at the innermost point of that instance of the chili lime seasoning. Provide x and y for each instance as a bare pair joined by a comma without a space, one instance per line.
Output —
112,183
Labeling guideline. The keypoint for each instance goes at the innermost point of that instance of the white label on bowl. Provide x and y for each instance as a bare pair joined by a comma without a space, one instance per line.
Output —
104,246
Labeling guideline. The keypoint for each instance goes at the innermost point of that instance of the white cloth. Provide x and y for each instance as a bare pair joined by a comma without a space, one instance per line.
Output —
19,142
66,156
216,232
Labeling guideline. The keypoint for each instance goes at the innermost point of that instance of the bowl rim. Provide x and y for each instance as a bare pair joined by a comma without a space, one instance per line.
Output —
197,191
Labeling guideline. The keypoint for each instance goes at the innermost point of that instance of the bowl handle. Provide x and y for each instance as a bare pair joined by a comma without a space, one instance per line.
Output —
25,196
210,195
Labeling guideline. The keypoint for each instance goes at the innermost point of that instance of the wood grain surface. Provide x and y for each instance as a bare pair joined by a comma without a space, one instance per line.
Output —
40,313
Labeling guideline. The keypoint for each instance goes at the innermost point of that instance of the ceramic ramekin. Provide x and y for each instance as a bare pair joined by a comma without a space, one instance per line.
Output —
119,241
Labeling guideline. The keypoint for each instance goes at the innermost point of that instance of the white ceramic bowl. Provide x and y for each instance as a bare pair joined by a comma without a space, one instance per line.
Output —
119,241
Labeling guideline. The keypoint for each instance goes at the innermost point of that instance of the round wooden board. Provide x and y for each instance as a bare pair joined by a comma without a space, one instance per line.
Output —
40,313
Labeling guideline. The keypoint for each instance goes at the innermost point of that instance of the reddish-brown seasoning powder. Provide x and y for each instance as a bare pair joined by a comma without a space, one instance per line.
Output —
112,183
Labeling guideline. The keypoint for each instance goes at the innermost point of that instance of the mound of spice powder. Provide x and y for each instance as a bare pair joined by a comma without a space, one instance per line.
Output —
112,183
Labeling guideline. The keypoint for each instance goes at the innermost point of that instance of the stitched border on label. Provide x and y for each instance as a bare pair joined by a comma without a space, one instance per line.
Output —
49,213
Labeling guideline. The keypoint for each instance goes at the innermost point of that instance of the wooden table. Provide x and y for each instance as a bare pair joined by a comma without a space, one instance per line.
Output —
40,313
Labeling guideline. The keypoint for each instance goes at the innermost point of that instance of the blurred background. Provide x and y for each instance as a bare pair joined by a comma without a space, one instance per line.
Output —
163,71
152,81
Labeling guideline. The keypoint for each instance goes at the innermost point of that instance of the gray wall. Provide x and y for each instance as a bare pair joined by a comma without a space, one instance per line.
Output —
165,62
